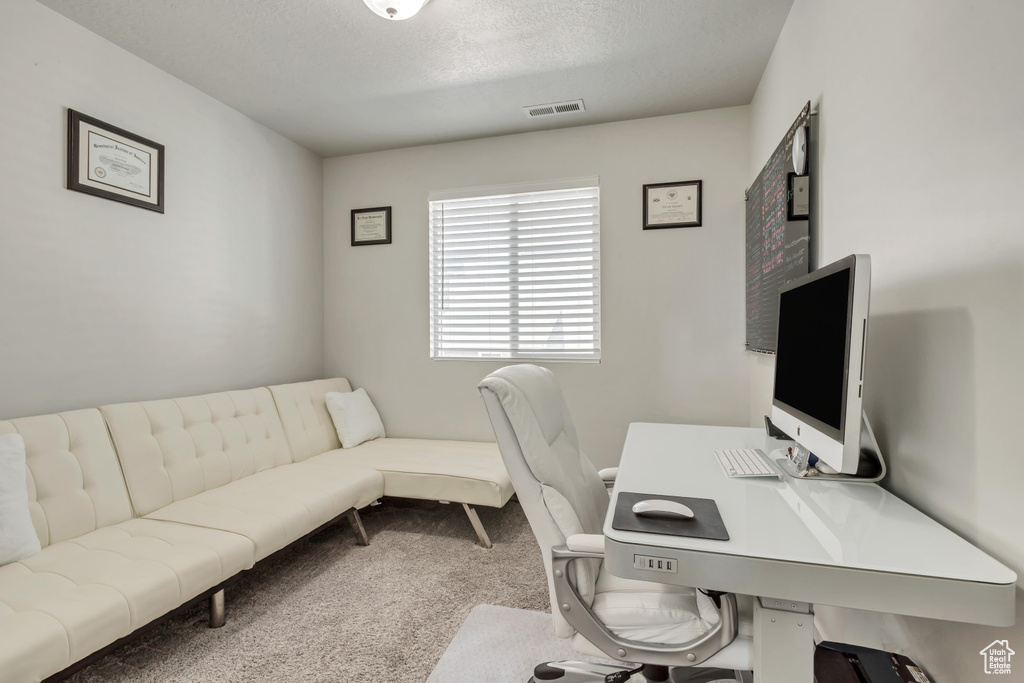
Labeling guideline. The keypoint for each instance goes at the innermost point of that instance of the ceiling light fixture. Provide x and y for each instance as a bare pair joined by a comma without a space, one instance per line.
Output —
395,9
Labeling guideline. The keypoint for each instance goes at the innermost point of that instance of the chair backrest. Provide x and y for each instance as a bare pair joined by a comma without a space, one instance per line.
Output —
176,448
307,423
558,487
74,481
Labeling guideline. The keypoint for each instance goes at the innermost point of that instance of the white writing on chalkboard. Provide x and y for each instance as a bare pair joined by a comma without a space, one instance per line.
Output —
777,250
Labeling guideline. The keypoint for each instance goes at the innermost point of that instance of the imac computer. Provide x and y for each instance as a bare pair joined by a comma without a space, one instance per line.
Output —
819,363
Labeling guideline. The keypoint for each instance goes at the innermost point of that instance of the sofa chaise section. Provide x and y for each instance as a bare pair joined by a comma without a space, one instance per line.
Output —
221,461
100,574
459,471
466,472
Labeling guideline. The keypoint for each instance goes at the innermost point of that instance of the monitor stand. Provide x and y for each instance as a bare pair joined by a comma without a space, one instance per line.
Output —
870,459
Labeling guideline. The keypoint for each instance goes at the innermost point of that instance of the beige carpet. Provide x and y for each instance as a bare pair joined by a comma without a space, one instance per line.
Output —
333,611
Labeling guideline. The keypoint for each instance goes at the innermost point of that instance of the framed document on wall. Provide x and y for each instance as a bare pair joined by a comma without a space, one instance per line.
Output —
109,162
371,226
673,205
799,206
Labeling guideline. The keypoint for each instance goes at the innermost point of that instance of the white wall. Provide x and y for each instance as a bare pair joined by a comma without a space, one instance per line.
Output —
672,300
101,301
921,165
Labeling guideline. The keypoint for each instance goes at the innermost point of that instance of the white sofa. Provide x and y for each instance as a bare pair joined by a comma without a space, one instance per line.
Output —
144,508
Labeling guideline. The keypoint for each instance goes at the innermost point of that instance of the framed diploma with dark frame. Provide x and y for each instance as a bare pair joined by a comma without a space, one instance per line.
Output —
371,226
110,162
673,205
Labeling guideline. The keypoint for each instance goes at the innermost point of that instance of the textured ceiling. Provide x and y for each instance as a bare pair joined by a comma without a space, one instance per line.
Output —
338,79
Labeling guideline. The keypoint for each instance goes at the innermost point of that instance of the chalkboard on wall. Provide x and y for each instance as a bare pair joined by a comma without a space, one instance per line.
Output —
778,250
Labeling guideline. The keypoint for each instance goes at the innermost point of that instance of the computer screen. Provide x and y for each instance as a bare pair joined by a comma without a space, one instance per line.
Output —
811,358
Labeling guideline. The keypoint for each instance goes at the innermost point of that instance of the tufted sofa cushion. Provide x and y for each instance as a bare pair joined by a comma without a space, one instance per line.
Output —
74,482
77,596
177,448
307,424
276,507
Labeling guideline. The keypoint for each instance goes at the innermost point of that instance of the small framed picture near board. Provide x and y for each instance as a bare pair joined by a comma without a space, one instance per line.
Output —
672,205
799,207
371,226
109,162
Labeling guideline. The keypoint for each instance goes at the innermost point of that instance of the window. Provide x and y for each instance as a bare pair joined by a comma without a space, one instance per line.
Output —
514,272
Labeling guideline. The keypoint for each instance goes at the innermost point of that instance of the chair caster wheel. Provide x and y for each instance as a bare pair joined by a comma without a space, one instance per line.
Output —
575,672
546,672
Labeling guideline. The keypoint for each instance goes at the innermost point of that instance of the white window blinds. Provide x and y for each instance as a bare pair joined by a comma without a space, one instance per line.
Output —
514,273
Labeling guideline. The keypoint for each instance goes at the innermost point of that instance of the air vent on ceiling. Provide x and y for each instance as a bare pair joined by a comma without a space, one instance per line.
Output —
554,108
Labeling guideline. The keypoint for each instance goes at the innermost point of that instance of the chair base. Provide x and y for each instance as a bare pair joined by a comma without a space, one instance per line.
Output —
572,671
575,671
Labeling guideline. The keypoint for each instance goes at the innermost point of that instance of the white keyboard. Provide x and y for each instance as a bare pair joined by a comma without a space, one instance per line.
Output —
747,462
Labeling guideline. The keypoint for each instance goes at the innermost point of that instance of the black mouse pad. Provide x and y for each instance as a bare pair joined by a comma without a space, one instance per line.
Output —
706,523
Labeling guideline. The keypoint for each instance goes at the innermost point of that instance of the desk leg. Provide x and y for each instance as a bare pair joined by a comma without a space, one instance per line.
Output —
783,641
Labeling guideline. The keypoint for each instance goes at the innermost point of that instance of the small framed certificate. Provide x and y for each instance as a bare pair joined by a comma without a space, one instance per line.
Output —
109,162
672,205
799,206
371,226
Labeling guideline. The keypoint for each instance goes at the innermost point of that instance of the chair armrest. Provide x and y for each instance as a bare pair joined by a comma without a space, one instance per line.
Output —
586,623
586,543
608,475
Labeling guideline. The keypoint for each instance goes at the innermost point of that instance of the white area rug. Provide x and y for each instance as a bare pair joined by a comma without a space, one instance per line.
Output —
502,645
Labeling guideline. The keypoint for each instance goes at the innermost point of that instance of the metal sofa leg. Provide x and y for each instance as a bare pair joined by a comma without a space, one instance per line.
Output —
357,526
478,526
218,614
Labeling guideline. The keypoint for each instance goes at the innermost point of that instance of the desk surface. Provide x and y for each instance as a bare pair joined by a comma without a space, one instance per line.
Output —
834,524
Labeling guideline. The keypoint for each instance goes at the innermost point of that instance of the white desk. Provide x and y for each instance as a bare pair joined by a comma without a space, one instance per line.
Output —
794,543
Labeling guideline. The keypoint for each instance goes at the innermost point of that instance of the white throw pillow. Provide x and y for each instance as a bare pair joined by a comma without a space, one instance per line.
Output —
18,538
354,417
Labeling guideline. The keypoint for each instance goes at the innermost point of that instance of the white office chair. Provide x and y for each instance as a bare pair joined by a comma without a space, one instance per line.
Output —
677,633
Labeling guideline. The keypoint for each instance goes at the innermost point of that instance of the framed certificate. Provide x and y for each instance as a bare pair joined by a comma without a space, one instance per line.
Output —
109,162
371,226
799,206
672,205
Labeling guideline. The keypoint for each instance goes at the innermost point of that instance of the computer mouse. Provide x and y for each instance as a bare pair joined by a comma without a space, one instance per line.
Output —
668,509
